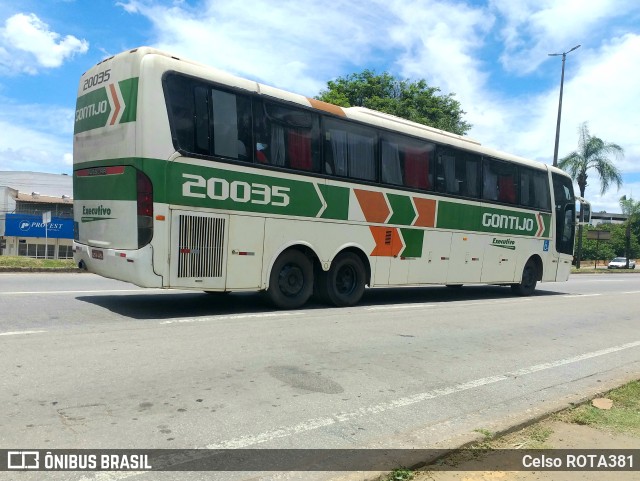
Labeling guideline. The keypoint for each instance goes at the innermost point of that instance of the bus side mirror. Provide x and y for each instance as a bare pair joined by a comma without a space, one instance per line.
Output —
585,208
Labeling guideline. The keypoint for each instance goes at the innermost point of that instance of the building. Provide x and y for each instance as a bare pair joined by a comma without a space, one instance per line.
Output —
598,218
25,197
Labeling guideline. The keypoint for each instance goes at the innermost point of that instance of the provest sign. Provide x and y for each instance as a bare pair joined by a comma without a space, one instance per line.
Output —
21,225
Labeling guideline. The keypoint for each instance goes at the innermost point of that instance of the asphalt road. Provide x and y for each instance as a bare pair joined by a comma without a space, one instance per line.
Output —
94,363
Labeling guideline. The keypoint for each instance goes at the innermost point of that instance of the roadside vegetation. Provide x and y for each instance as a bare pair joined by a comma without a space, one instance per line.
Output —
623,417
21,262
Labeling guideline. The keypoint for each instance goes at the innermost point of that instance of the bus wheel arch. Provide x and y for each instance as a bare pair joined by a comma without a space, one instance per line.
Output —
344,283
291,277
531,274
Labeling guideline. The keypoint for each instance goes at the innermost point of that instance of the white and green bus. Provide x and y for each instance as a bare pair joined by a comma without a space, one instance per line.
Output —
188,177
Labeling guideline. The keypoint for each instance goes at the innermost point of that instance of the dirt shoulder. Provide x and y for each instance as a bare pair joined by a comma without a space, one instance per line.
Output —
610,421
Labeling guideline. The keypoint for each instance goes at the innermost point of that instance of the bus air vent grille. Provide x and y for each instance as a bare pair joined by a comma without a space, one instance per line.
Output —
201,246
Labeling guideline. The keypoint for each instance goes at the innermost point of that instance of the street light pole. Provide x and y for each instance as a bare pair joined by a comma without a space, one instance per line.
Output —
564,57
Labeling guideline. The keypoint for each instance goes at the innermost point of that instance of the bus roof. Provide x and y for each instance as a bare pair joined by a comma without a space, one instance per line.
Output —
360,114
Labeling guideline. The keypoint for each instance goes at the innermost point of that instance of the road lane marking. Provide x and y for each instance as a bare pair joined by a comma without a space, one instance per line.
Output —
99,291
367,411
569,296
233,317
19,333
398,306
316,423
570,360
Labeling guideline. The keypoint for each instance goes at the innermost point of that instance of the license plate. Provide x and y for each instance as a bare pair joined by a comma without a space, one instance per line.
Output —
96,254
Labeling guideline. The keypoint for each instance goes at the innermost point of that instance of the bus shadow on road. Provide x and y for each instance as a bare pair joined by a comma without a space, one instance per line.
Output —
181,304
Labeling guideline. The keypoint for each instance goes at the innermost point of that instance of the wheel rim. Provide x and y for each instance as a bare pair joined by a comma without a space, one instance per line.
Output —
291,280
346,280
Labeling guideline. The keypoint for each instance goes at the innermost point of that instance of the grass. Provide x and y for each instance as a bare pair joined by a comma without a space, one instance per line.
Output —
28,262
401,475
623,417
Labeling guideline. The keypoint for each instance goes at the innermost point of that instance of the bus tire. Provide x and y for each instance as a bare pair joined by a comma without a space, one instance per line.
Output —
343,285
291,280
528,281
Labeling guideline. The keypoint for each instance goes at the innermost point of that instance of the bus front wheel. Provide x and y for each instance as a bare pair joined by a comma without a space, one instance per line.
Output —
343,285
529,280
291,280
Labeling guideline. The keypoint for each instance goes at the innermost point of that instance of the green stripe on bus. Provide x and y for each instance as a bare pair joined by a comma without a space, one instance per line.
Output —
402,208
214,188
102,106
480,218
337,199
106,187
413,239
129,90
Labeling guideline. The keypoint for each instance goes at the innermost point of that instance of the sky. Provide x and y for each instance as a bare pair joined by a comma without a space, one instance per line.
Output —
492,54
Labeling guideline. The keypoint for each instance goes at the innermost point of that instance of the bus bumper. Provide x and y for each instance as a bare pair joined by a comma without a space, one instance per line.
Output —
135,266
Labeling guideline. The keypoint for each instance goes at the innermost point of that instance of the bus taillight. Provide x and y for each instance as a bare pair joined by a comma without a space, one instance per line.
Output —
145,209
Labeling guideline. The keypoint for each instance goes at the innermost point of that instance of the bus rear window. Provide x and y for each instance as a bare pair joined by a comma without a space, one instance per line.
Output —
208,121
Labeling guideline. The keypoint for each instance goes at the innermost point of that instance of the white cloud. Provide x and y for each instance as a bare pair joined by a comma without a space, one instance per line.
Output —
27,44
290,44
474,49
534,28
35,137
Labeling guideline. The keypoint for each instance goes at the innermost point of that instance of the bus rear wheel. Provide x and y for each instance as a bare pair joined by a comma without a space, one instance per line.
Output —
527,284
343,285
291,280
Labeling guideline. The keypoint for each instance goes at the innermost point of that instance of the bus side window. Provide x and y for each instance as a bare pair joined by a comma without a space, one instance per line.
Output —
350,150
287,137
231,124
534,188
500,181
458,172
180,105
405,161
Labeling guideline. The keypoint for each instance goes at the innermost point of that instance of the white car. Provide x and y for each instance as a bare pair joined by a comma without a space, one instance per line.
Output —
621,263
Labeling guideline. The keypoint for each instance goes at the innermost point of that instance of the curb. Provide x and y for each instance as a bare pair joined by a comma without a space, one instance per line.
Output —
52,270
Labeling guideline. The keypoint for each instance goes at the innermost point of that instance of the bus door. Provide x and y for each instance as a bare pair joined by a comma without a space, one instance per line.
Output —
198,250
565,214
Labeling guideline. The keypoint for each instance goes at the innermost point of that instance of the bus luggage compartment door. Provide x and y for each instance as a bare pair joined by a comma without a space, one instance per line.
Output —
198,256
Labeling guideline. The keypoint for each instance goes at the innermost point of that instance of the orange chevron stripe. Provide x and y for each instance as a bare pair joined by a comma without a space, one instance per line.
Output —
388,241
373,205
426,212
116,104
540,225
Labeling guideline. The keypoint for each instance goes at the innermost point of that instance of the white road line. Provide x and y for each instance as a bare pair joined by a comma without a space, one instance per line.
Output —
368,411
315,423
492,302
630,292
570,360
569,296
233,317
398,306
19,333
99,291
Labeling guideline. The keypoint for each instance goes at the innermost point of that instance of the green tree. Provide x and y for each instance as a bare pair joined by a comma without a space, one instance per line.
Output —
593,153
593,250
631,208
607,250
415,101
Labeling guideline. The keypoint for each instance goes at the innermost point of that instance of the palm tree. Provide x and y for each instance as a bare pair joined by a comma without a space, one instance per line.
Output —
592,153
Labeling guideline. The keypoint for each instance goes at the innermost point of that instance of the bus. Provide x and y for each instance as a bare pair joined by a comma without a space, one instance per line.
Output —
188,177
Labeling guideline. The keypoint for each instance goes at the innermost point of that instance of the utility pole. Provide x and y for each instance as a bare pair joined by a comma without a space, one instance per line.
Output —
564,57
